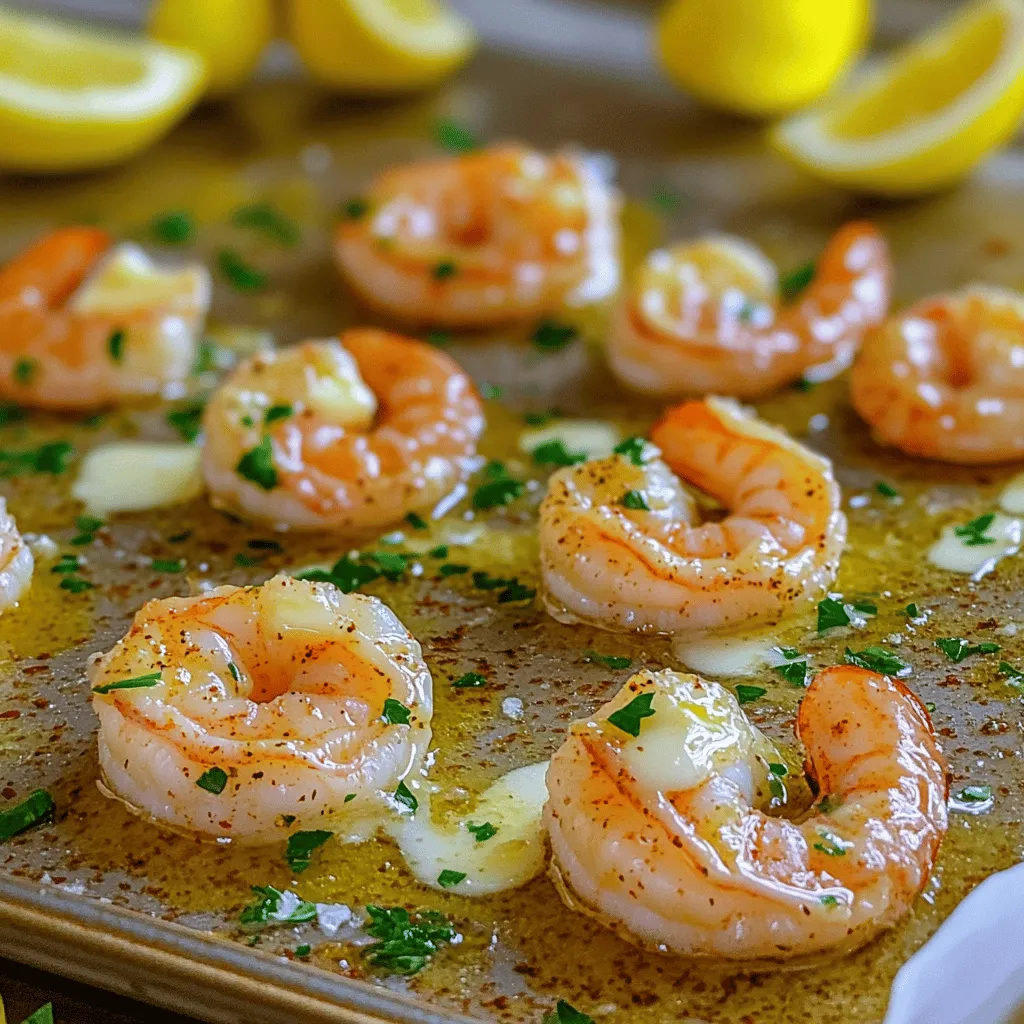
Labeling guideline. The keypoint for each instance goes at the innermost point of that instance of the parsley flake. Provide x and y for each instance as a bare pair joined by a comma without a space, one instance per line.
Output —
173,228
263,217
886,490
52,457
794,672
395,712
481,832
36,809
238,273
407,941
25,370
615,661
168,565
973,533
417,522
115,345
132,683
628,718
75,584
831,613
956,648
453,569
912,611
875,659
633,448
791,285
257,465
213,780
831,845
187,420
449,878
565,1013
469,680
444,270
299,851
635,501
277,412
454,137
497,492
276,907
554,453
975,794
405,797
355,209
550,335
748,694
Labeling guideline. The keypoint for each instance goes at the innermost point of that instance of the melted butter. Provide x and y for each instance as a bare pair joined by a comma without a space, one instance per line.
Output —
510,858
593,438
1011,497
737,657
955,554
342,394
133,476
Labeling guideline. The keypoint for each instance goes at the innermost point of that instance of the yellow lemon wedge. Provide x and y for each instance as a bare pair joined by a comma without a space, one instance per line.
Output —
927,116
379,46
230,35
760,58
73,98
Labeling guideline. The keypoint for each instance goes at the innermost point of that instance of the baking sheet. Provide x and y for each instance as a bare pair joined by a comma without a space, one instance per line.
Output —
66,889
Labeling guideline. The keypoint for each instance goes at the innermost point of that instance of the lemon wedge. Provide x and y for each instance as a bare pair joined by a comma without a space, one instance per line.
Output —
72,98
379,46
928,115
230,35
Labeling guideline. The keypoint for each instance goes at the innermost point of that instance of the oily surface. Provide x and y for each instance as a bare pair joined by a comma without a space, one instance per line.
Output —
682,173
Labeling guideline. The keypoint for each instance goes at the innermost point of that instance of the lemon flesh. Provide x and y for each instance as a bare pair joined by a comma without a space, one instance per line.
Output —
379,46
924,119
760,57
73,99
230,35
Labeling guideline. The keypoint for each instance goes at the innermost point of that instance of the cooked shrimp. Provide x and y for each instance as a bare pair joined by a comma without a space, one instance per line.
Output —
86,323
621,545
341,435
945,379
250,709
503,234
707,317
16,562
664,838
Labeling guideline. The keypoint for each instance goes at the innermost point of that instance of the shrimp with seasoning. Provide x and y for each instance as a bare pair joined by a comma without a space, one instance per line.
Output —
945,379
249,710
498,235
622,546
344,435
86,323
661,831
707,316
16,561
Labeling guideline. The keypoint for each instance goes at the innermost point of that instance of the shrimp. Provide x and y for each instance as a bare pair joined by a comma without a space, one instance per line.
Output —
246,710
707,316
85,323
341,435
945,379
16,561
498,235
620,540
664,837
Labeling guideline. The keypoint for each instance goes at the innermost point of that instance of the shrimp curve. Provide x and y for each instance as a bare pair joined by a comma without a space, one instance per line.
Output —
664,837
86,323
706,317
16,561
620,540
501,234
342,434
945,379
248,710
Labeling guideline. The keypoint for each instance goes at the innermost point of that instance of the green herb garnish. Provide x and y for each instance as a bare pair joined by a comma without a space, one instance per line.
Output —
405,797
956,648
187,420
481,832
875,659
497,492
417,522
912,611
299,851
633,448
791,285
565,1013
975,794
454,137
886,490
628,718
303,950
973,533
395,712
52,457
262,217
11,412
469,680
75,584
794,672
132,683
257,465
831,613
635,501
554,453
615,661
748,694
449,878
355,209
831,844
407,941
550,335
66,564
174,228
276,907
25,370
36,809
444,270
115,345
347,575
238,273
213,780
453,569
277,412
516,592
168,565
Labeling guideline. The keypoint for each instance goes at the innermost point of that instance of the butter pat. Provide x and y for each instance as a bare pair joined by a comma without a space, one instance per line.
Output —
593,438
953,553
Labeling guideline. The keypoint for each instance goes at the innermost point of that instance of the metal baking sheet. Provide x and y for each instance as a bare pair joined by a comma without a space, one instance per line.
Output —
111,899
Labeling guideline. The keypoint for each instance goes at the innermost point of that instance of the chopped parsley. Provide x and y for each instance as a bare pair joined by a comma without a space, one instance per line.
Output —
875,659
441,551
633,448
886,490
262,217
490,391
115,345
395,712
132,683
52,457
616,661
956,648
748,694
550,335
565,1013
469,680
299,851
831,613
831,845
405,797
776,772
1015,676
277,412
244,561
213,780
443,270
355,208
238,273
262,544
481,832
912,611
168,565
975,794
406,941
554,453
66,564
628,718
497,492
11,412
257,465
303,950
516,592
75,584
25,370
175,227
391,564
233,669
346,574
87,525
417,522
449,878
453,569
187,420
36,809
208,357
538,419
276,907
794,672
973,533
635,501
829,901
791,285
454,137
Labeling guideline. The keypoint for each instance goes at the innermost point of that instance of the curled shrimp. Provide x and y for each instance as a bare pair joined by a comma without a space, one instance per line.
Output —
502,234
707,316
85,323
249,709
341,435
16,561
945,379
664,837
622,547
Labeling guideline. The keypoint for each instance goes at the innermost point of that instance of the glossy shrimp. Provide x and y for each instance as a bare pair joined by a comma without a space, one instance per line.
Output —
341,435
945,379
622,545
708,317
249,710
502,234
16,561
86,323
663,836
